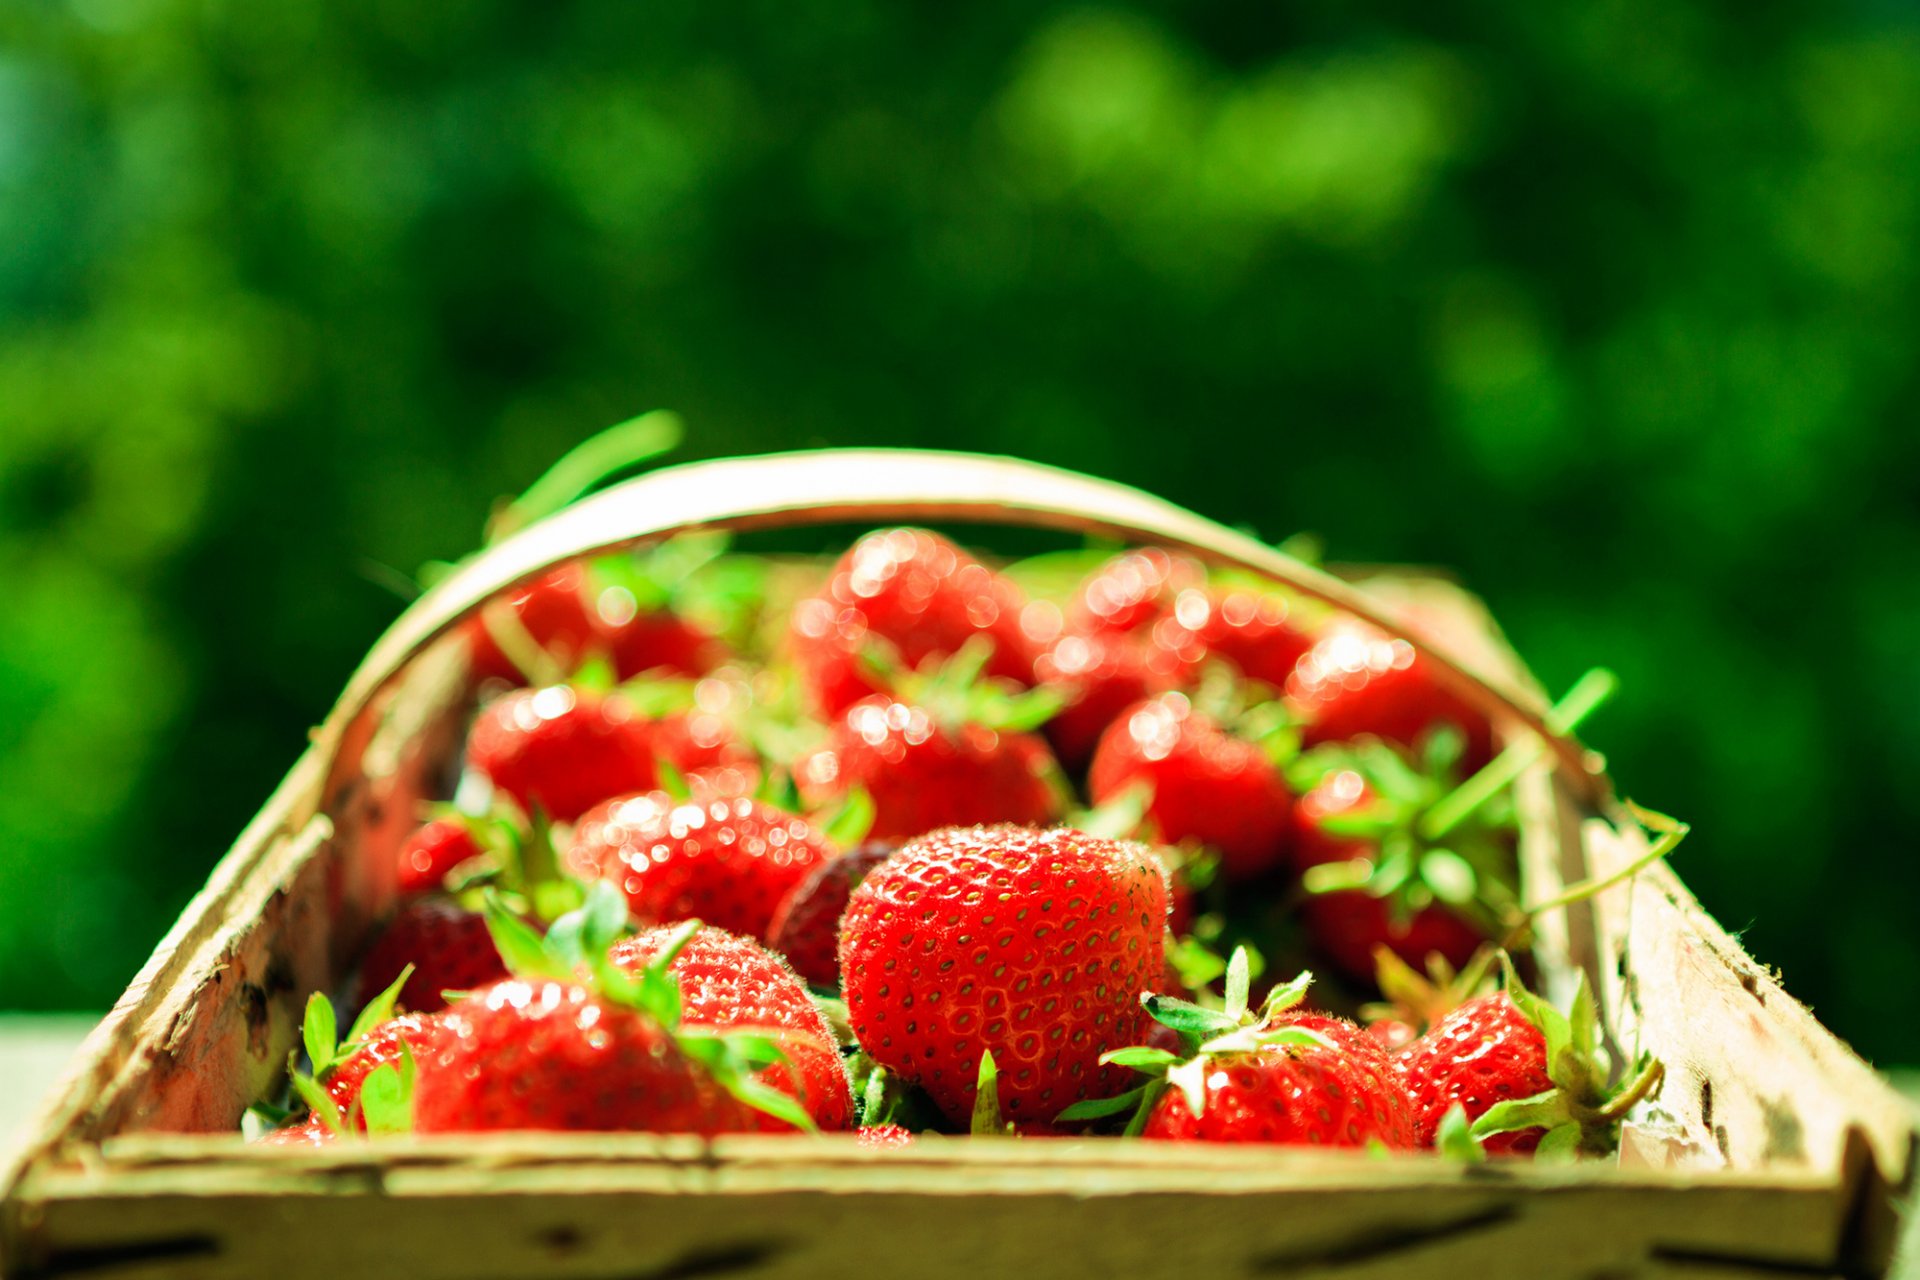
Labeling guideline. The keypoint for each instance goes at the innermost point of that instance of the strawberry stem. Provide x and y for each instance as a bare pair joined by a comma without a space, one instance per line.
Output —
1586,696
619,448
1672,832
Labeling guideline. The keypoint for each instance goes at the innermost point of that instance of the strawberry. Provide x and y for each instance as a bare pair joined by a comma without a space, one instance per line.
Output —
1033,945
1131,592
1529,1077
1208,785
730,982
919,594
552,611
576,1042
432,852
923,774
1254,630
553,1055
661,641
562,748
420,1033
448,947
1376,879
1099,675
726,860
1358,681
311,1132
1279,1076
806,925
885,1136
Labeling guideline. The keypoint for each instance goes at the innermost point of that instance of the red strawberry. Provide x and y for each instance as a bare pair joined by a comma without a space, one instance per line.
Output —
1350,924
311,1132
420,1032
555,613
661,642
1281,1075
728,861
1132,591
1297,1094
922,775
728,981
562,748
883,1136
806,925
556,1056
1034,945
1208,785
432,852
734,983
1358,681
1254,630
1491,1058
1102,674
449,949
919,593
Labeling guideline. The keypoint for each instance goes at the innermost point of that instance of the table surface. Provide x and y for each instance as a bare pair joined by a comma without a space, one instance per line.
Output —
34,1048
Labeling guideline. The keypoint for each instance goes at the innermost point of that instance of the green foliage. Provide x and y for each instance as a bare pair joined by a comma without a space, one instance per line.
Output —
1613,309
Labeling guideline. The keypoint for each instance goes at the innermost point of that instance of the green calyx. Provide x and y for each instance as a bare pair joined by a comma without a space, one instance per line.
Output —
1205,1034
385,1102
987,1121
1422,999
518,862
1250,711
956,692
577,949
1581,1113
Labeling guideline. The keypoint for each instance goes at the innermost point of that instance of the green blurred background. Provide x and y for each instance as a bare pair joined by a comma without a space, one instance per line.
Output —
1612,306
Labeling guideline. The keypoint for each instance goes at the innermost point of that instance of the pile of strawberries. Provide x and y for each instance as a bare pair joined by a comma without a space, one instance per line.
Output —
914,845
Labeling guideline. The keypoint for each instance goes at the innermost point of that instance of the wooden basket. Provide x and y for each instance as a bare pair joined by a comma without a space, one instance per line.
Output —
1771,1150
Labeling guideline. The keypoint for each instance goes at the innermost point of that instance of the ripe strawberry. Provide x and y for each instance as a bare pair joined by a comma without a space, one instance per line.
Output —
601,1049
421,1033
311,1132
662,642
725,860
1254,630
448,947
1131,592
1528,1076
1358,681
554,1055
562,748
885,1136
1208,785
1100,674
921,595
554,612
923,774
1374,882
1034,945
432,852
1280,1075
806,925
730,982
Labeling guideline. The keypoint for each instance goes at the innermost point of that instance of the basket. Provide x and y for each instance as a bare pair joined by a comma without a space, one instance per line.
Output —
1770,1150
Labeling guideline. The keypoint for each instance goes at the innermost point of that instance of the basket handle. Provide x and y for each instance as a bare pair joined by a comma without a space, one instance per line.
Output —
874,485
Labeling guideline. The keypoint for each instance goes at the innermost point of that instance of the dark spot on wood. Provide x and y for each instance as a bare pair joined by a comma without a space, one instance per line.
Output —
279,979
87,1259
1382,1241
253,1006
717,1261
1750,983
1721,1141
561,1239
1786,1139
1706,1103
1620,960
1682,1258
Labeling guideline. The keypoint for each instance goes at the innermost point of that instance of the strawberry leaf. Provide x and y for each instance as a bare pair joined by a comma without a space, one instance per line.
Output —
1190,1078
378,1010
1101,1108
319,1102
1454,1139
319,1032
1190,1020
386,1097
986,1102
850,823
1141,1058
524,951
672,781
1239,978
